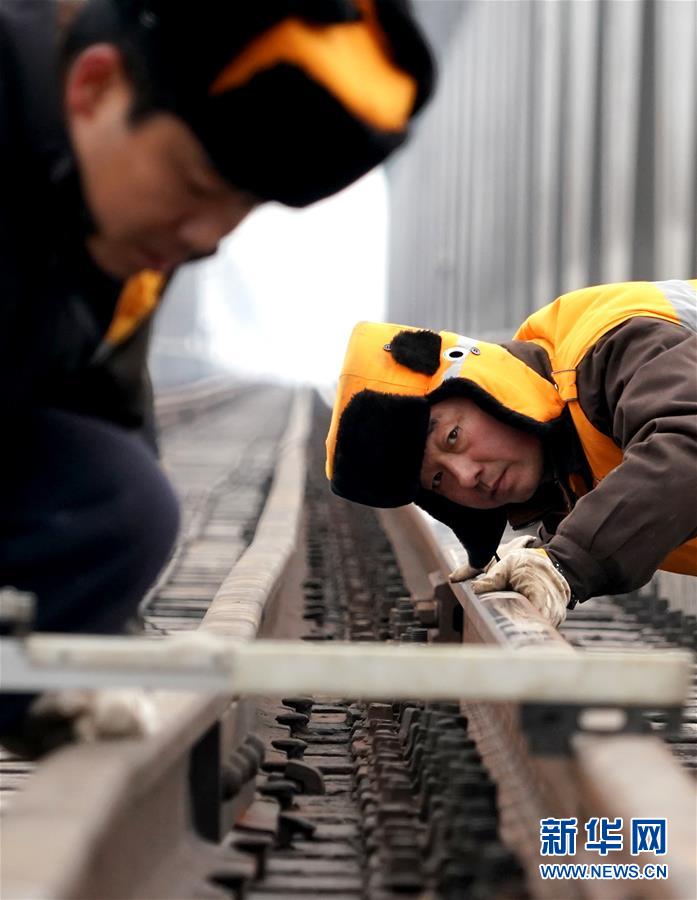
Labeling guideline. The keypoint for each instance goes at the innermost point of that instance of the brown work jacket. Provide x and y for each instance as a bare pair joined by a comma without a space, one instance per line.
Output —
638,386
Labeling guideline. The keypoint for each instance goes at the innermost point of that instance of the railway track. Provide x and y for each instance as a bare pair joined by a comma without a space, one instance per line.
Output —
327,796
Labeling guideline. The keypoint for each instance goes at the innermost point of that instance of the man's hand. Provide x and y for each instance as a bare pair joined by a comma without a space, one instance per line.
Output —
532,574
466,571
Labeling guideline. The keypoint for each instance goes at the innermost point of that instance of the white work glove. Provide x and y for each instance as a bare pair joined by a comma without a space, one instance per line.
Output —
74,715
107,714
532,574
466,571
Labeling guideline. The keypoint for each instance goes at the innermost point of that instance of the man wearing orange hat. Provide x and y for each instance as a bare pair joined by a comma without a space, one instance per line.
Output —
585,422
132,139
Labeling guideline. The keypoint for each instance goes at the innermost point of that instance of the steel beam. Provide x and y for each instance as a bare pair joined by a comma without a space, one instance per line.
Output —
212,663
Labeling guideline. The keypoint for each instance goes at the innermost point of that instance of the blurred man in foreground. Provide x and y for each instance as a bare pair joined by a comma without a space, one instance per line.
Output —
130,144
585,422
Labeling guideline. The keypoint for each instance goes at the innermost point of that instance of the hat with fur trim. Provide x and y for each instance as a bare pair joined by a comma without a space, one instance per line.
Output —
391,377
292,99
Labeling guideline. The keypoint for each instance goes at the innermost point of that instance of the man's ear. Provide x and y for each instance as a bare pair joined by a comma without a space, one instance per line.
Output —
91,76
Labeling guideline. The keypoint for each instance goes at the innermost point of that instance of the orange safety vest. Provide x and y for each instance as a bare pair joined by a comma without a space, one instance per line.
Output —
575,322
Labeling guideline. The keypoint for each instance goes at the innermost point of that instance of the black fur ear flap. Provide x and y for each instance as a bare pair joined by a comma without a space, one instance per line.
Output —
380,447
478,530
417,350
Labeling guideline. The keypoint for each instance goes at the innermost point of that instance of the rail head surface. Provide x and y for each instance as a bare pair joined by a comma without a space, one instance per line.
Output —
533,787
90,789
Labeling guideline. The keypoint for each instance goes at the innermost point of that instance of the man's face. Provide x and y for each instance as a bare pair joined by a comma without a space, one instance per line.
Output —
155,197
477,461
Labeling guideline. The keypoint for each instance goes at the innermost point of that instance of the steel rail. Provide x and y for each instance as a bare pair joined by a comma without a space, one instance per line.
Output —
90,807
123,789
591,779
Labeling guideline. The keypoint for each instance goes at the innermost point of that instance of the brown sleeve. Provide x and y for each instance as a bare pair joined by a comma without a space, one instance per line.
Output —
638,385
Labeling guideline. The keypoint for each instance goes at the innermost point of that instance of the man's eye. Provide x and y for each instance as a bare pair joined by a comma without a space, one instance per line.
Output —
436,480
452,436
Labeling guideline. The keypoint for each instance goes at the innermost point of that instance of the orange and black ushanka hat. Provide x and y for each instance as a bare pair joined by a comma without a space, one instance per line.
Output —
292,99
392,375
